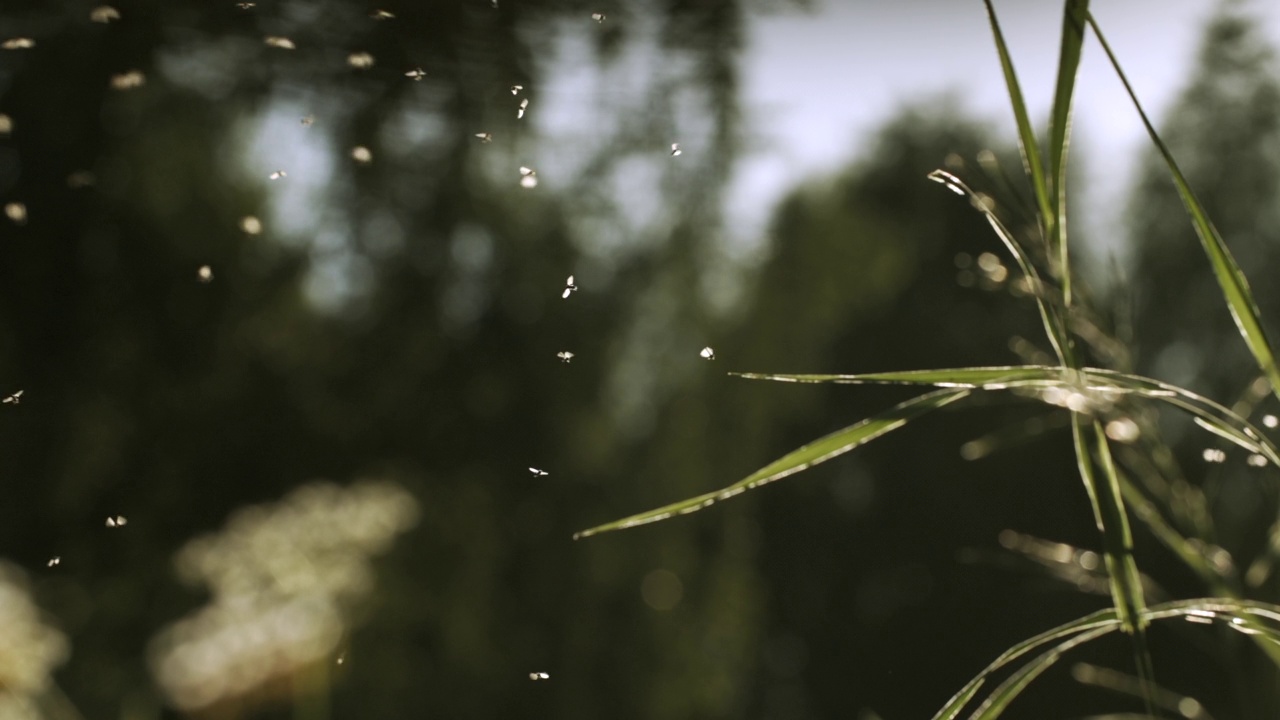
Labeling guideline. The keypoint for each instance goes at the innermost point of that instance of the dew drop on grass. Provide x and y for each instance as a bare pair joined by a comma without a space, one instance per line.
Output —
528,177
416,74
361,154
128,80
1088,560
1123,430
205,274
14,399
565,356
17,212
950,181
18,43
1214,455
104,14
707,353
360,60
485,137
539,676
1256,460
1270,421
1190,708
251,225
277,41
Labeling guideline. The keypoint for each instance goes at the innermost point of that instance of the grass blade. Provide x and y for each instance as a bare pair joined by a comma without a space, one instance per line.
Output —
1235,287
1209,414
1031,159
1055,327
1073,24
1109,515
1126,580
818,451
1246,616
1013,686
1102,619
970,377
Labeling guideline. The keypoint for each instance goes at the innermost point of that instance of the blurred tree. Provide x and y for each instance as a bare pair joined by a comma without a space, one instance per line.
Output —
1224,131
879,269
390,312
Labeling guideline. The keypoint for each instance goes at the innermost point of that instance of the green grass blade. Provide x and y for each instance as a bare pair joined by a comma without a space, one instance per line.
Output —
1109,515
1258,619
1235,287
818,451
1054,324
1170,703
1209,414
1102,619
1031,159
1126,580
958,702
1013,686
970,377
1073,24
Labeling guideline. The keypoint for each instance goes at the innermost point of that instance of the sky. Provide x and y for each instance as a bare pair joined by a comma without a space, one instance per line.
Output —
817,81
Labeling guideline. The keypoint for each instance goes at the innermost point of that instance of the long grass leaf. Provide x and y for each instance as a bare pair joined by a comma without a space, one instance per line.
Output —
1209,414
970,377
1027,144
1105,619
1235,287
1261,620
1122,566
1055,327
1125,578
1073,24
1013,686
818,451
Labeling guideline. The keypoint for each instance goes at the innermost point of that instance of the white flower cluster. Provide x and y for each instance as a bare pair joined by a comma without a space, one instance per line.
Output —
29,651
283,578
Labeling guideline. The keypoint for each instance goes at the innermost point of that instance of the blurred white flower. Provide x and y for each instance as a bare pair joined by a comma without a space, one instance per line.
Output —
104,14
284,579
360,60
30,649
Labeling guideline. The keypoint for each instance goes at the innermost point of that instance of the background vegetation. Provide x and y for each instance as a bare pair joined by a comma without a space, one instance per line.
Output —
400,319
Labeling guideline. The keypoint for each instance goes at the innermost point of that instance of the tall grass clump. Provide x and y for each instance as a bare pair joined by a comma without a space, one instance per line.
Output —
1101,405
